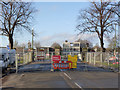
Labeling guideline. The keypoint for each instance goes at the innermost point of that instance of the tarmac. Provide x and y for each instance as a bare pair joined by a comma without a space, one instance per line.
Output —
38,75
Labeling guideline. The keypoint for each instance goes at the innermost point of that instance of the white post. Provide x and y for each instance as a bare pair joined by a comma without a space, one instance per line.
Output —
16,62
90,58
101,59
87,56
51,62
27,58
23,58
119,36
108,59
94,58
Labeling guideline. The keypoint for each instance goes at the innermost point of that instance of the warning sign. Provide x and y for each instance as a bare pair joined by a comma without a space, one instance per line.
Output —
56,58
73,60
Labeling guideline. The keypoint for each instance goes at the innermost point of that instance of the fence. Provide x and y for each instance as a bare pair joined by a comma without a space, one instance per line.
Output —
24,58
100,59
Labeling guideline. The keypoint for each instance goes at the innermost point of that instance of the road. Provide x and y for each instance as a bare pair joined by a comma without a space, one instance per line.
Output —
38,75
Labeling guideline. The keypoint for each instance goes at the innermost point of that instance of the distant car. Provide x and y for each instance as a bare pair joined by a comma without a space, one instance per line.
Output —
7,57
4,59
79,60
113,60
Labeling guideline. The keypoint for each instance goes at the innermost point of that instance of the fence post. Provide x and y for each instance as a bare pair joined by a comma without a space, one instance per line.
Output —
27,58
90,58
101,59
30,57
108,60
94,59
52,63
23,58
87,57
16,62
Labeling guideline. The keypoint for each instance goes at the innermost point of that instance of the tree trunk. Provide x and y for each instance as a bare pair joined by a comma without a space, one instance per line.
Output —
102,44
11,41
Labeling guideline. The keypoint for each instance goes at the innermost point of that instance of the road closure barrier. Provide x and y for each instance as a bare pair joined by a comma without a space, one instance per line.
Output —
62,64
58,64
73,60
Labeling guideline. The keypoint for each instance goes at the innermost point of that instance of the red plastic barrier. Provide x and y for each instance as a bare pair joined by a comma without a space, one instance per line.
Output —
62,64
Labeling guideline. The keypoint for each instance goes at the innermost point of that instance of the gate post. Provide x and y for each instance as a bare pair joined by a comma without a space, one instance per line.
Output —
101,58
90,57
87,57
16,62
52,62
94,58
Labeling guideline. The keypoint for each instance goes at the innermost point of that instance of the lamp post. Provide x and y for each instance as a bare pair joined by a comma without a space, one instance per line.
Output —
32,37
118,36
115,42
32,45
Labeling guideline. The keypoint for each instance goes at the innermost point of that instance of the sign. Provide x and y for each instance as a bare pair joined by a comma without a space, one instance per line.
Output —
8,47
73,60
84,49
56,58
40,57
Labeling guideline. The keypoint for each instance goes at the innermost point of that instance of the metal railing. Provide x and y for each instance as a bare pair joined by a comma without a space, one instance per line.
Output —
101,59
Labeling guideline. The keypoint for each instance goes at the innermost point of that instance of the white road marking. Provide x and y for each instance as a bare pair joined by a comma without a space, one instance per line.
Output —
78,85
67,76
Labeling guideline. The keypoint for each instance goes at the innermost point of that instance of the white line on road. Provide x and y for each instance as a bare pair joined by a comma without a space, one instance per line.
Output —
78,85
67,76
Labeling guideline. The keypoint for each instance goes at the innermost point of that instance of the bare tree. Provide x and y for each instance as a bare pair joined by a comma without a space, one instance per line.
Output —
86,43
98,18
37,44
15,44
15,16
56,46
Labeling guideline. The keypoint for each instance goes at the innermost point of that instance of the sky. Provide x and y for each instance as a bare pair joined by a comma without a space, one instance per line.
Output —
54,22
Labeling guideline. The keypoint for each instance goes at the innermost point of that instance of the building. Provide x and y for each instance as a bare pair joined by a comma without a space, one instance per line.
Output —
47,52
57,48
74,48
57,51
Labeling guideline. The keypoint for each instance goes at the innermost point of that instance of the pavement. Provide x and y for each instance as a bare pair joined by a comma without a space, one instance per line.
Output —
38,75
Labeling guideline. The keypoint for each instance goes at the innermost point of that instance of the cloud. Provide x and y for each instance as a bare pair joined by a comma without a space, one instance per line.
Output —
61,37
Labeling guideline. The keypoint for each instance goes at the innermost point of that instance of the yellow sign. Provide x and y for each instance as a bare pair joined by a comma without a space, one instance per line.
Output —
84,49
73,60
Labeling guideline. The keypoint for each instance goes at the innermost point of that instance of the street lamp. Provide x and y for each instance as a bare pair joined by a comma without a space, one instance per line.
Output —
118,35
115,41
32,37
32,45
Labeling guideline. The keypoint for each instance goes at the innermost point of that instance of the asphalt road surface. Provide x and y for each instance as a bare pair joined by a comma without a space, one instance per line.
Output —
38,75
46,66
